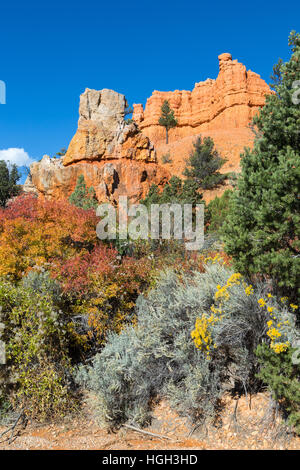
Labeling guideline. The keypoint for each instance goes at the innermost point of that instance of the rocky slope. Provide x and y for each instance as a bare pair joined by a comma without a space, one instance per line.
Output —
113,155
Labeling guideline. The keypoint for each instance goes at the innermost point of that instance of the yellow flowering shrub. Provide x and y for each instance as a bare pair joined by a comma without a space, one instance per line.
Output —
277,327
202,334
215,259
222,291
249,290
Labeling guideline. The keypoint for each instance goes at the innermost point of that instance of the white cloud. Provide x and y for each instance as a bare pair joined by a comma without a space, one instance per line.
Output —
17,156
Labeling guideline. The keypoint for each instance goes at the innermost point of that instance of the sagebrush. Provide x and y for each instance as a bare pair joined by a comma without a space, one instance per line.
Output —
158,357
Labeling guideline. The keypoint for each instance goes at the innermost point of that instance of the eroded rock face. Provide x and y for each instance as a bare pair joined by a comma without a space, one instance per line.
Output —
116,158
228,102
103,133
52,179
113,156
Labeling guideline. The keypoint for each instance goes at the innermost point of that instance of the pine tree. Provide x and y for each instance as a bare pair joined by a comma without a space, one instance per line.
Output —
83,197
9,177
172,192
262,231
128,111
167,118
204,163
61,153
217,210
176,191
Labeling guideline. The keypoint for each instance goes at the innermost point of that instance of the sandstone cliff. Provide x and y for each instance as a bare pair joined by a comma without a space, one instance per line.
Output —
118,158
228,102
102,132
113,155
221,109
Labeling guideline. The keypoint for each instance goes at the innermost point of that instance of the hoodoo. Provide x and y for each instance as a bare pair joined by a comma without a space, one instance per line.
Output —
228,102
117,157
113,155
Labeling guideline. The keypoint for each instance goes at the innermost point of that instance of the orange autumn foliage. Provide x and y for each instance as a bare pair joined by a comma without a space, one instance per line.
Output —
34,232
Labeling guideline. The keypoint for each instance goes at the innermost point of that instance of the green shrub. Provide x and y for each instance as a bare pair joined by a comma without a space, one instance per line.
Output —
83,197
5,408
37,374
283,379
217,210
176,191
41,282
166,158
158,357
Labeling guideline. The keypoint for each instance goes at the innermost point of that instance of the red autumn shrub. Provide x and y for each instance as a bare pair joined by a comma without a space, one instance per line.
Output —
24,206
34,231
77,273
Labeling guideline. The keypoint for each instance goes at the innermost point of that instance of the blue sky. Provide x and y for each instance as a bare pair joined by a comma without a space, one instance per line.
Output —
52,51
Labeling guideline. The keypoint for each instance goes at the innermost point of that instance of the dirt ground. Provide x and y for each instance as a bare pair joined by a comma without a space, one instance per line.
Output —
247,423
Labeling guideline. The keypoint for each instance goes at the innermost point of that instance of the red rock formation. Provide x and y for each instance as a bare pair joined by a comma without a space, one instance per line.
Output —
221,109
114,156
117,159
228,102
110,179
102,132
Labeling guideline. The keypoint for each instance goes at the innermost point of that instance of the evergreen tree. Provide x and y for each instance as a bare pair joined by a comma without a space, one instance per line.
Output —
176,191
167,118
61,153
128,111
204,163
153,196
9,177
217,210
276,77
172,192
83,197
262,231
